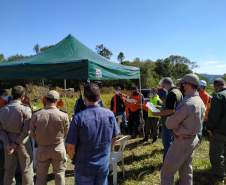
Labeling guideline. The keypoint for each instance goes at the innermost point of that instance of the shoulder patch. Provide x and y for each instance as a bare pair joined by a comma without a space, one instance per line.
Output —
63,111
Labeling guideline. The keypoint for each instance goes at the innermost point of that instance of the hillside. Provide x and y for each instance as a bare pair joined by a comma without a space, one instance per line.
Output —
211,77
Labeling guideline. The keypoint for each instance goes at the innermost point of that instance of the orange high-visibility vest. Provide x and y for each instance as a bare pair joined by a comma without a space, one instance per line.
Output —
133,107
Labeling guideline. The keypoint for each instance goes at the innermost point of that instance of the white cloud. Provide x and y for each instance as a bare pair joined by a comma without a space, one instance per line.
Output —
212,67
212,62
221,66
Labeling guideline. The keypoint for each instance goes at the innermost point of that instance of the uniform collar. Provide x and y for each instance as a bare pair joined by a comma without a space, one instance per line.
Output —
50,107
93,106
16,101
192,94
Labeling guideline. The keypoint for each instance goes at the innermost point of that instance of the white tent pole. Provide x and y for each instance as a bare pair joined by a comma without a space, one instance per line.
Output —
141,106
65,97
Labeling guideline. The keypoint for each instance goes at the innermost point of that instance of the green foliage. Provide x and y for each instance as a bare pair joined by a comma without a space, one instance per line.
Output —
121,57
152,71
224,76
174,66
103,51
16,57
2,58
149,78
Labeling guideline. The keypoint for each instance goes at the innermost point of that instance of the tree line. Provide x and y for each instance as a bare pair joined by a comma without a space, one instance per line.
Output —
152,71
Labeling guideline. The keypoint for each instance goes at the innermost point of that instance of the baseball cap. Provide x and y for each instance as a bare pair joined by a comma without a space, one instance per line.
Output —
54,95
191,79
202,83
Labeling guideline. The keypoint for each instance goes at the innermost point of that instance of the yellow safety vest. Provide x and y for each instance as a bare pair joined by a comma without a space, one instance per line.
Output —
154,100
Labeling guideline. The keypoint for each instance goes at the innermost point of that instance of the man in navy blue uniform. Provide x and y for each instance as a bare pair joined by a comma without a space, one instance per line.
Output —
90,138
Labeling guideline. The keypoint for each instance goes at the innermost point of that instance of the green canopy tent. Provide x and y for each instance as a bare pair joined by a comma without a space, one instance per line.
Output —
68,59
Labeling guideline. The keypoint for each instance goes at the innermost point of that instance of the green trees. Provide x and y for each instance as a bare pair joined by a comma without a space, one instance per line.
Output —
16,57
121,57
174,66
2,58
224,76
152,71
103,51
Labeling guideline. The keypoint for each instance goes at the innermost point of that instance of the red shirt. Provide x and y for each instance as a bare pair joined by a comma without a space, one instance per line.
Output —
2,102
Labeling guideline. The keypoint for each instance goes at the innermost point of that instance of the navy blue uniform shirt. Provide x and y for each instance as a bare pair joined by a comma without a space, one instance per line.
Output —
91,131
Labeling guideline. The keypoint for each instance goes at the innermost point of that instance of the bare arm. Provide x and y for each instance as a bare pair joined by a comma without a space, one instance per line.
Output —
66,127
113,143
70,148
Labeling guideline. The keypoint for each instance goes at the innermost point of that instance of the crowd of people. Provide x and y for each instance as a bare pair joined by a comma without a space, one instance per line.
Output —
185,114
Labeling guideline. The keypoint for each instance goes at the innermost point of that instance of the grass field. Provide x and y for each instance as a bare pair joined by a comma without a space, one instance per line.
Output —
143,162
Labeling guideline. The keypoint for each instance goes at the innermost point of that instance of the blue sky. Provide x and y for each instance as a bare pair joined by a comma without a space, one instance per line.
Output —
140,28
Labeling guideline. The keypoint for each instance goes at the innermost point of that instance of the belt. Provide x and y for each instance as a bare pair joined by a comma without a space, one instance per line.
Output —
182,137
50,145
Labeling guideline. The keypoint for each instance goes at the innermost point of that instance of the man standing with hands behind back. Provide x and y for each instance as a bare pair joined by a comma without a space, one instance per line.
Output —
90,138
49,128
15,118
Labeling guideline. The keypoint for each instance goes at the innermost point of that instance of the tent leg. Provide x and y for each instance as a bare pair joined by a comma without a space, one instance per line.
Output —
65,97
141,107
65,84
43,83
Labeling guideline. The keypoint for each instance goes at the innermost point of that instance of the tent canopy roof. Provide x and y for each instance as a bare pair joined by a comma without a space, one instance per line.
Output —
68,59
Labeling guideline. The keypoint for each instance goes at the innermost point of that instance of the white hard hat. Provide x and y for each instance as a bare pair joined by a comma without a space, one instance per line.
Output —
203,83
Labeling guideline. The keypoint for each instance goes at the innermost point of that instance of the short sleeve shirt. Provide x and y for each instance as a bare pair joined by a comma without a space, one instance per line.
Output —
91,131
172,100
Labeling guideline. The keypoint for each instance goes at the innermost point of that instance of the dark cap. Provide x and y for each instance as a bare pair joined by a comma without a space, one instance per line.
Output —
219,81
118,88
